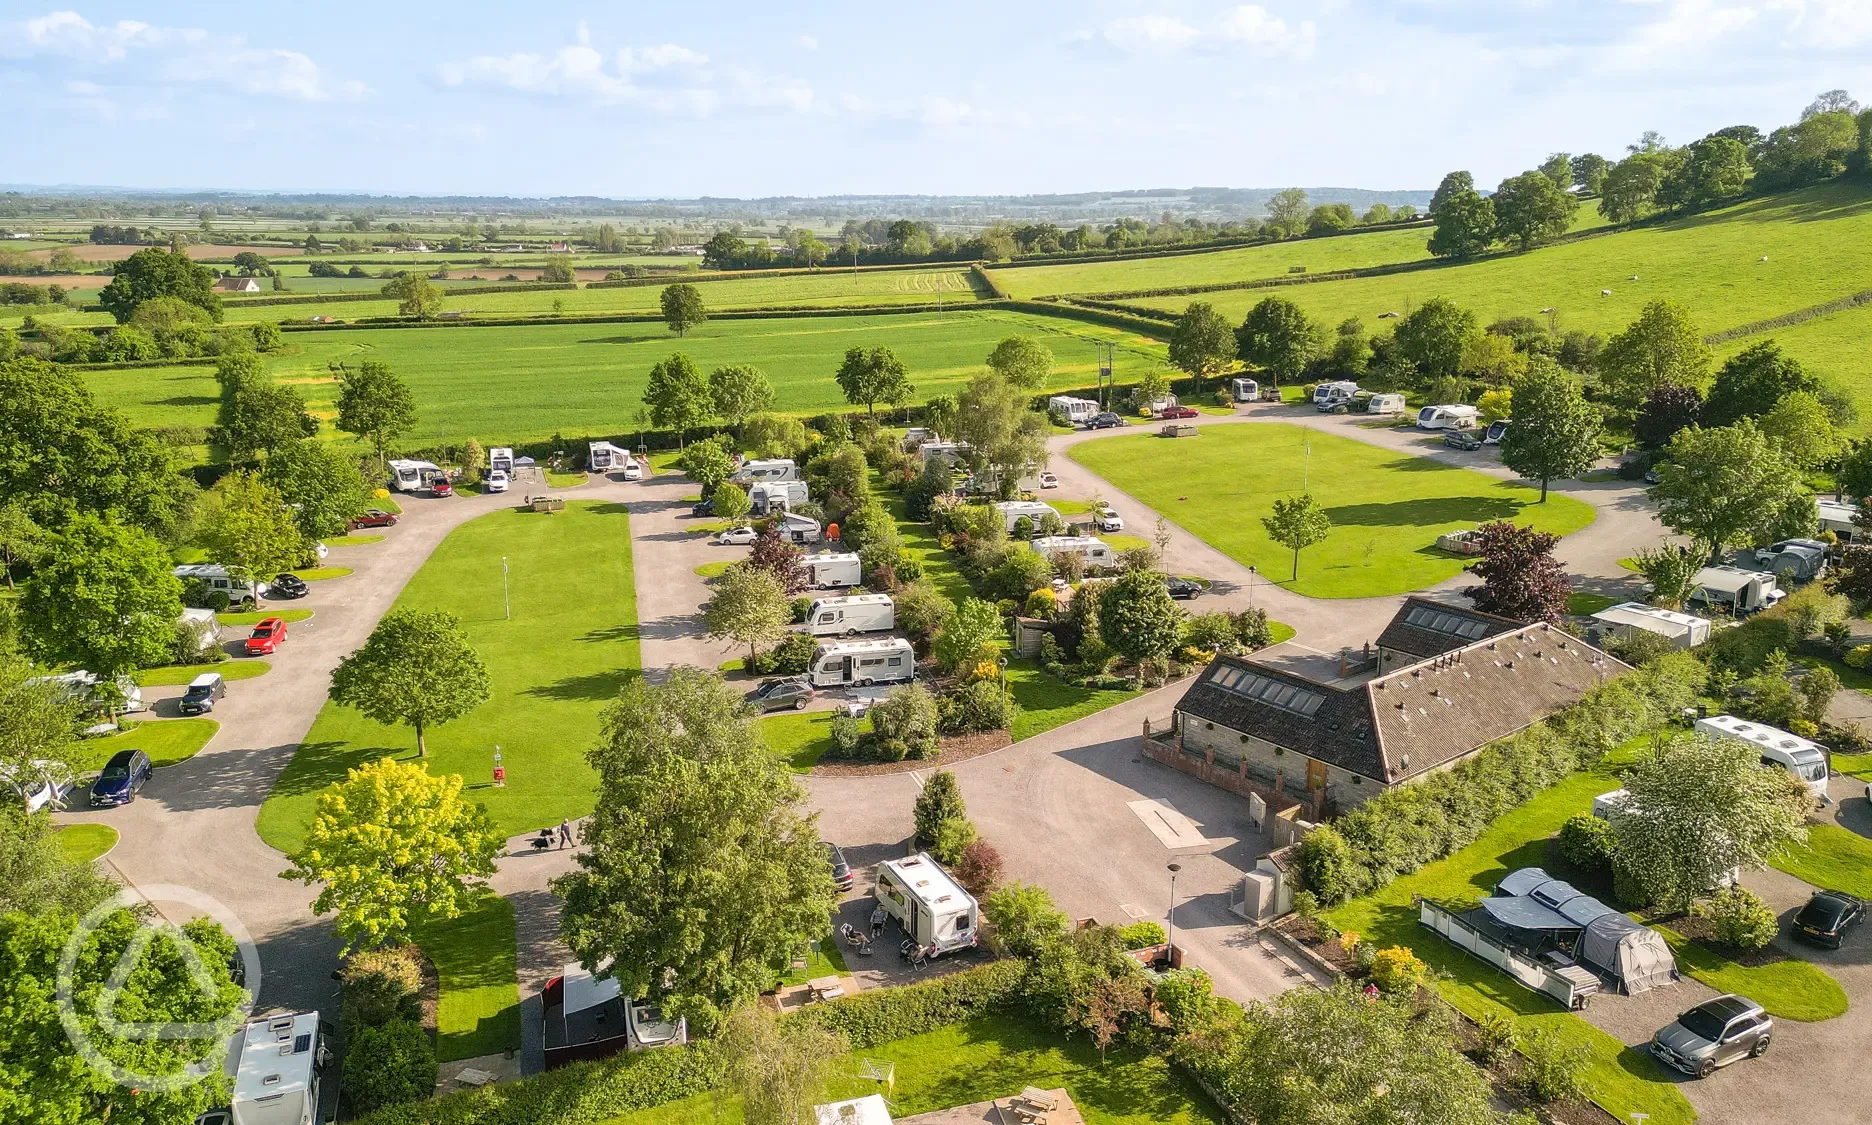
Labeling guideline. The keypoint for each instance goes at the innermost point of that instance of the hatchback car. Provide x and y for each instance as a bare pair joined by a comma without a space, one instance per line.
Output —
288,586
267,636
842,876
1178,412
1182,587
781,694
1104,421
633,469
497,481
122,776
737,536
702,508
441,487
1463,440
1714,1033
1827,916
374,517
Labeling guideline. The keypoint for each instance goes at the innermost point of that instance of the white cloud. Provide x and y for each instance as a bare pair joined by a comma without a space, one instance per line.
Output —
1827,24
665,77
1149,34
808,42
1256,27
1247,25
129,53
1686,28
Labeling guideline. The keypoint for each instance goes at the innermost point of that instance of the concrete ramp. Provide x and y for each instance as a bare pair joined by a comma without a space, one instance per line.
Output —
1172,829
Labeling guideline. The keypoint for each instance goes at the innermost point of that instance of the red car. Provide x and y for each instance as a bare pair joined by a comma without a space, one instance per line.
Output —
266,637
1179,412
374,517
441,487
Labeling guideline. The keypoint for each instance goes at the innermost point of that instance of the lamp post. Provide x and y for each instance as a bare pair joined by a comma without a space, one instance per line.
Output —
1174,868
1251,585
506,600
1002,663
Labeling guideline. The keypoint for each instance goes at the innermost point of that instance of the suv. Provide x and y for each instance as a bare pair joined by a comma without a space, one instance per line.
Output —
122,776
202,692
1463,440
1827,916
1182,587
1714,1033
1108,519
1104,421
778,695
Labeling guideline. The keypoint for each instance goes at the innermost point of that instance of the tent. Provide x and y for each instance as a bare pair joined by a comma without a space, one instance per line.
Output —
1635,956
1536,907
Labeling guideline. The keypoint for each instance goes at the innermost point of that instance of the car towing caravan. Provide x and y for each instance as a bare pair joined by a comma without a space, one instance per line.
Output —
766,472
276,1064
1328,397
413,476
849,616
1805,761
833,569
933,909
862,663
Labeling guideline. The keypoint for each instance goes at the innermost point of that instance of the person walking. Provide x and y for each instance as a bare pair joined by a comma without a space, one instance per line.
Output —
565,833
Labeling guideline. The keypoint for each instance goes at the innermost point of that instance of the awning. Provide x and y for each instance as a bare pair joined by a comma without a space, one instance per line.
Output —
1520,913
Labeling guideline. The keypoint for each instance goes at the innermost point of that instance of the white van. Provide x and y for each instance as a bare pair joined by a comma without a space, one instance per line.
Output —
1328,397
1453,416
849,616
1805,761
1013,510
862,663
412,476
239,591
1097,552
932,908
752,472
825,571
1073,410
769,496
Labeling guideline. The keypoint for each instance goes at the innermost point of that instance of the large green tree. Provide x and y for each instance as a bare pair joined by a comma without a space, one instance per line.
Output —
1297,522
324,487
1435,335
1802,430
102,598
1138,619
1006,437
393,846
708,464
39,719
780,1068
1202,344
415,295
1630,187
158,272
703,873
1714,169
1662,346
1751,382
417,669
248,528
38,875
375,405
1452,185
739,391
682,307
1531,208
1728,486
1287,212
678,396
21,537
1277,337
874,375
1023,361
1589,172
749,606
1465,226
1555,434
258,416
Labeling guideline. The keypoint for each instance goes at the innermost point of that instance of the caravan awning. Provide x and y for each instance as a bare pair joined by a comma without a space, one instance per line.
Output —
1519,913
1522,881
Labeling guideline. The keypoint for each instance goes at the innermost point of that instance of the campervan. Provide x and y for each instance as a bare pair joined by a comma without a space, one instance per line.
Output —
239,591
500,459
1836,516
1328,397
933,909
862,663
1387,402
603,457
1074,410
1454,416
587,1017
1096,551
1244,390
1736,590
795,528
849,616
833,569
771,496
412,476
768,472
1012,511
1805,761
276,1062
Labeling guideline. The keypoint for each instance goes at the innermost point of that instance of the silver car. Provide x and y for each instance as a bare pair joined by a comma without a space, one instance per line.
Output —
1714,1033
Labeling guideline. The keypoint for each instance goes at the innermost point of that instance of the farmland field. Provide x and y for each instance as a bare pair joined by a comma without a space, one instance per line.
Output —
1836,345
528,383
1387,508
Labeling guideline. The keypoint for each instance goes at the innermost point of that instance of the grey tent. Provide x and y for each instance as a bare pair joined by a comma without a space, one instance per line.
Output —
1522,881
1636,957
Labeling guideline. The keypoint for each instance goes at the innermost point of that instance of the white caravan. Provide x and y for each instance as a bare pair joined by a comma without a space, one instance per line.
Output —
1737,590
862,663
1012,512
1244,390
753,472
1074,410
932,908
276,1077
412,476
1096,551
849,616
500,459
1387,403
950,451
1453,416
239,591
771,496
915,436
1328,397
833,569
1805,761
603,457
795,528
89,689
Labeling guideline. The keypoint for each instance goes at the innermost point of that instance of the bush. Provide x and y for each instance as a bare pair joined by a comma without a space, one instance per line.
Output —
846,734
378,986
1253,629
387,1065
1397,969
1024,918
1018,574
1497,1036
910,715
883,1015
1041,604
1142,935
1639,647
1188,999
1554,1070
1211,632
1846,738
1588,842
953,838
1739,918
922,612
1859,656
801,608
940,800
791,657
976,707
979,869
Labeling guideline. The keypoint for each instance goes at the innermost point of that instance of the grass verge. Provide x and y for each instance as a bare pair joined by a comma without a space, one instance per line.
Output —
82,843
248,620
563,480
714,569
177,674
1790,988
823,959
322,573
166,741
1582,604
1835,859
354,540
801,737
478,1012
1047,703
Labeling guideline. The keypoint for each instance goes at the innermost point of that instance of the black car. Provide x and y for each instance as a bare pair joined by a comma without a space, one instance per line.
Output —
1827,916
1104,421
1182,587
1463,440
841,871
778,695
705,508
288,586
122,776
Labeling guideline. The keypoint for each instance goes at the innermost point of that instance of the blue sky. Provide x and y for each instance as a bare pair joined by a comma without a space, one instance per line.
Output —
745,99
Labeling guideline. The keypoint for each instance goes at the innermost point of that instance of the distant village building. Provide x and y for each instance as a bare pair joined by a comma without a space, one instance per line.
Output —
238,285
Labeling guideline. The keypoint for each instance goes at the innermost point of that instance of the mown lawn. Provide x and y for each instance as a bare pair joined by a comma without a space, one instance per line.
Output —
1046,703
992,1057
823,959
322,573
174,675
354,540
82,843
801,737
1584,604
1835,859
1791,988
571,643
478,1010
249,620
1387,508
166,741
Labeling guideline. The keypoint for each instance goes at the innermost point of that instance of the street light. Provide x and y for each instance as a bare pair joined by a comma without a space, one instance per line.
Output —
1002,662
1251,585
1174,868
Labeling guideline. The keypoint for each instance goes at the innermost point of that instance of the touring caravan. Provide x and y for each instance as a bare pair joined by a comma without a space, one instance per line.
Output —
1805,761
1328,397
200,630
1448,417
770,496
766,472
950,451
863,663
412,476
915,436
239,591
831,569
276,1063
1683,630
932,908
1012,511
1244,390
603,457
1073,410
1739,591
849,616
1387,402
91,692
500,459
795,528
1096,551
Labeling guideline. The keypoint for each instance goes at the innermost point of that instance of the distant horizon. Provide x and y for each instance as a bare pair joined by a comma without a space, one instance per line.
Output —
81,190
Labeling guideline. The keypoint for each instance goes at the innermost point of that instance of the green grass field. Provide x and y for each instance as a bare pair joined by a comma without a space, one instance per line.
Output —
801,737
572,642
177,674
478,1007
166,741
1834,858
82,843
1387,509
1834,345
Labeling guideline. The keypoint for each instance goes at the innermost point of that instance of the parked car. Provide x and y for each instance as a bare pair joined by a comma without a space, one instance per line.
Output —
497,481
704,508
288,586
1108,519
1048,480
737,536
1463,440
441,487
1105,421
1178,412
1182,587
781,694
1827,916
266,637
117,783
633,469
1714,1033
203,691
374,517
842,876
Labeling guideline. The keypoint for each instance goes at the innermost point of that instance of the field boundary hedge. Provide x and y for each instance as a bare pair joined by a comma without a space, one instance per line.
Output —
1122,318
980,276
778,271
1789,320
377,295
1131,253
774,312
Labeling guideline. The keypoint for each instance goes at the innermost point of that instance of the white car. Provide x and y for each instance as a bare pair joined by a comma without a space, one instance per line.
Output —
633,469
737,536
1108,519
496,481
1048,480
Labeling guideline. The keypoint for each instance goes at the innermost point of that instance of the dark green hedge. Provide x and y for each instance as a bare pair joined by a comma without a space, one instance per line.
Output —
774,312
700,276
1127,320
885,1014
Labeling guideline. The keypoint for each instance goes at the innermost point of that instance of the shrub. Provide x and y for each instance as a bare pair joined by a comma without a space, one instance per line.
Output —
801,607
792,656
1555,1070
883,1015
1213,632
1327,865
1306,906
1397,969
1639,647
940,800
1142,935
953,838
976,707
922,612
909,714
1024,918
1859,656
387,1065
1739,918
1497,1036
907,567
1588,842
846,734
1253,629
1846,738
1188,999
979,869
1041,604
377,986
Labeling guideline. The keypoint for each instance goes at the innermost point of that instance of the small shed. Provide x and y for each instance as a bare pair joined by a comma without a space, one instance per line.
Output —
1683,630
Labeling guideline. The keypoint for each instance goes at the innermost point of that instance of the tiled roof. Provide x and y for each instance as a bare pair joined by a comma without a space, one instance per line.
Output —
1425,628
1339,731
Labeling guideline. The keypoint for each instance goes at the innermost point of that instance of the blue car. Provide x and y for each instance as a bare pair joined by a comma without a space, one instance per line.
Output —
122,776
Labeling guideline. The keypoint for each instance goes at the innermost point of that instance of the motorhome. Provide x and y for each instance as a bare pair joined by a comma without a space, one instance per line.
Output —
276,1063
771,496
933,909
753,472
1244,390
1073,410
1328,397
825,571
413,476
1012,512
795,528
862,663
239,591
849,616
1096,551
1384,402
1450,416
603,457
586,1017
1805,761
1734,589
501,459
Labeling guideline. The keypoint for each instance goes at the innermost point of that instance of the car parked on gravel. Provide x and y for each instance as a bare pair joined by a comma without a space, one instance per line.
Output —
1108,519
1827,917
737,536
842,876
1048,480
1463,440
1183,588
288,586
117,783
1714,1033
374,517
267,636
789,693
1178,412
497,481
1105,421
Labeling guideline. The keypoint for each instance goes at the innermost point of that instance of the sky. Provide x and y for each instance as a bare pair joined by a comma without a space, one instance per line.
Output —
961,97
